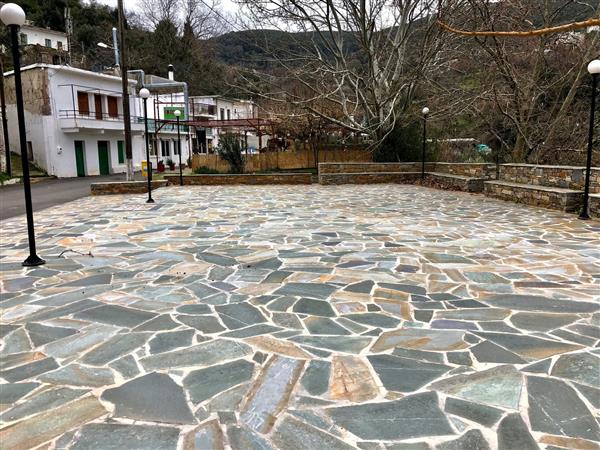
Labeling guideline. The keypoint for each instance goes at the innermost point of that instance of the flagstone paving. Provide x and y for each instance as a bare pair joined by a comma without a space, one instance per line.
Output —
301,317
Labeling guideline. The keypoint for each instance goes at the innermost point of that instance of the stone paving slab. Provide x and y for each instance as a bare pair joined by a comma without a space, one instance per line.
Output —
301,317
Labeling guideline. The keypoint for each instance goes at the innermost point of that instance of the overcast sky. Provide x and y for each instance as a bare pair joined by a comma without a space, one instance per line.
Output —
228,5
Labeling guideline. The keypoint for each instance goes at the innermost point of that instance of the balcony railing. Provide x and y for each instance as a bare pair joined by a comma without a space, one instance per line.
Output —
95,115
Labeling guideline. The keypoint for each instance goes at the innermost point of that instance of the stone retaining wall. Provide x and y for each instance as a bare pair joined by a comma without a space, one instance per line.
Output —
566,177
368,177
125,187
474,170
453,182
546,197
251,179
340,167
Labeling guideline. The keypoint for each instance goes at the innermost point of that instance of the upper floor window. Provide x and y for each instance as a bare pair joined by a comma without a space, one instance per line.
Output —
222,113
48,43
59,45
228,114
23,38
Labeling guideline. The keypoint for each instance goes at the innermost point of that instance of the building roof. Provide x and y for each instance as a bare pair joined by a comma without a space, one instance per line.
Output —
69,69
45,30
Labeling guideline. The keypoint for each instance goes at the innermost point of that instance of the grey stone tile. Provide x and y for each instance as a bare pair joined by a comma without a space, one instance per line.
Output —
555,408
514,435
485,415
77,375
154,397
30,370
206,383
116,315
292,433
112,436
413,416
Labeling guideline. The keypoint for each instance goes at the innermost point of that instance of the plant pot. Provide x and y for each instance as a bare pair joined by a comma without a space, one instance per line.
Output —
172,167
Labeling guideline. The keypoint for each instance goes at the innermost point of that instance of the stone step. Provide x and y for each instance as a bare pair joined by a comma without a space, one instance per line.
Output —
567,200
460,182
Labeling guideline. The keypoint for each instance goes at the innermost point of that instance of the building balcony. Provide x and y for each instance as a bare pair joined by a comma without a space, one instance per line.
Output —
75,121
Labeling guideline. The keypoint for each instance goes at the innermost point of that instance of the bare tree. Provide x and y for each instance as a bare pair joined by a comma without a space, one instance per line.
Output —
156,11
203,18
525,71
357,64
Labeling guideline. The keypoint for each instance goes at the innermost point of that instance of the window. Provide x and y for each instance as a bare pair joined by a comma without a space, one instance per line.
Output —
222,114
48,43
83,103
164,148
228,114
23,38
59,45
176,147
121,152
113,108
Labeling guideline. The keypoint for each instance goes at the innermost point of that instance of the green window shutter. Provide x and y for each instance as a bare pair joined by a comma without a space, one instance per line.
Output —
121,152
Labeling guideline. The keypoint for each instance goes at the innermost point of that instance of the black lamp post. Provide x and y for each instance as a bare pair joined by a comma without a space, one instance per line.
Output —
13,16
425,113
145,93
594,70
177,114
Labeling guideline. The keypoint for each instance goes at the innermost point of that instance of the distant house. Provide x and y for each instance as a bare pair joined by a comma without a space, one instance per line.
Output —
74,121
42,45
162,128
45,37
229,113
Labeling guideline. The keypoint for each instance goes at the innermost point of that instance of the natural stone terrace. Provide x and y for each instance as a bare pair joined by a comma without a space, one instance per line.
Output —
301,317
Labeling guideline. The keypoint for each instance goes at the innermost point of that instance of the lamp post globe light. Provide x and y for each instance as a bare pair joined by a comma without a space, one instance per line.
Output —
425,113
594,70
13,16
145,94
177,114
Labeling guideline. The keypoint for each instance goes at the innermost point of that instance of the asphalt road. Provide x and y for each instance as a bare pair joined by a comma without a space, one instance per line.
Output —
47,193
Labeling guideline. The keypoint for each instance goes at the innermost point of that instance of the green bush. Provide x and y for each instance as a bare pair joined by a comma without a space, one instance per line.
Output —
230,149
403,144
204,170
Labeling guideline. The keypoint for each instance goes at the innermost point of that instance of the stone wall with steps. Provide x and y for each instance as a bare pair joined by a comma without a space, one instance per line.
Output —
567,200
566,177
125,187
456,176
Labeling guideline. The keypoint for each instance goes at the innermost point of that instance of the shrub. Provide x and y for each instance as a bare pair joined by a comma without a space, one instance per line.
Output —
230,149
204,170
403,144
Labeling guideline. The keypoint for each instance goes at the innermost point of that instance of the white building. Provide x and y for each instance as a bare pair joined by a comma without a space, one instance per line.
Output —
162,127
218,108
74,121
45,37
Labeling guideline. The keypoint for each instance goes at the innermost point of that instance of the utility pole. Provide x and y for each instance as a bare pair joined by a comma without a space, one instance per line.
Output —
125,88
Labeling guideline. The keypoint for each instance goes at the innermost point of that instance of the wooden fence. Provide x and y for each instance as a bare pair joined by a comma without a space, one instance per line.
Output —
288,160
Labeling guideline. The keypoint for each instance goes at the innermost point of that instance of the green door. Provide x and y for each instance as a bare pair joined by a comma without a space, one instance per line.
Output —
103,158
79,159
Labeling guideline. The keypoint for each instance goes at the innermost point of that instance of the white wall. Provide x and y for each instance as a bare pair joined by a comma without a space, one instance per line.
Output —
38,36
53,148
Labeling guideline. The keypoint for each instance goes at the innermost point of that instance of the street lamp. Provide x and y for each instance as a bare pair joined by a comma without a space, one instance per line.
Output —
425,112
145,93
177,114
13,16
594,70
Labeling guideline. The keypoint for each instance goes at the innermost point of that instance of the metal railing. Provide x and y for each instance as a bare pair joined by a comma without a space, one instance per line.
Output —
96,115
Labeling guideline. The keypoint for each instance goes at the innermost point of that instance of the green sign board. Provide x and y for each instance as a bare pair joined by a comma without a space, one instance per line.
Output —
169,112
